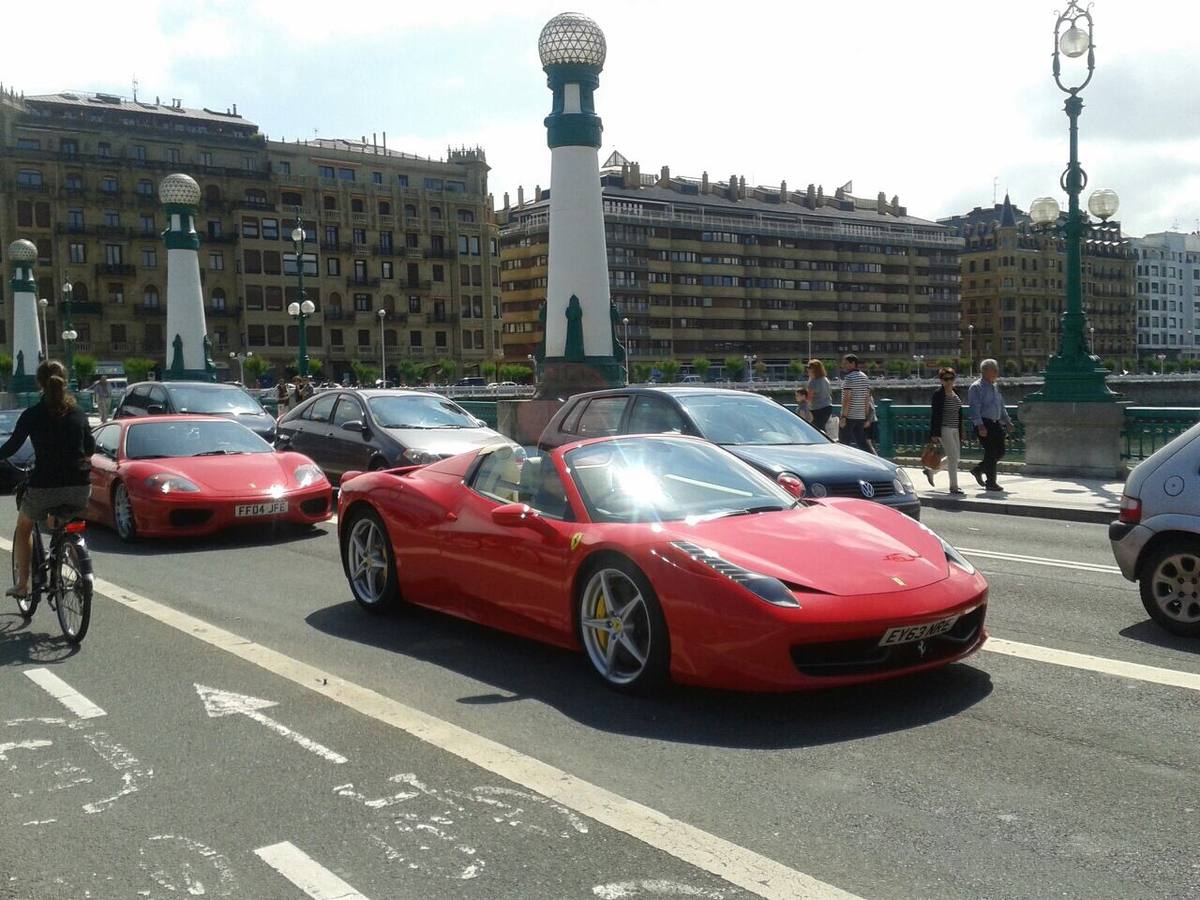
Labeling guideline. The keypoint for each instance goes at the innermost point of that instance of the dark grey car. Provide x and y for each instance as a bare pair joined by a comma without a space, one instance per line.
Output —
347,429
198,398
751,426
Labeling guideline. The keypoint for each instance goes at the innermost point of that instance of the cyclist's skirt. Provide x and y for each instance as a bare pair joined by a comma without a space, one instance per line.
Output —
38,501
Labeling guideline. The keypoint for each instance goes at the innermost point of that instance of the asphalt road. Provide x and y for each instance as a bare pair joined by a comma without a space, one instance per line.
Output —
1005,776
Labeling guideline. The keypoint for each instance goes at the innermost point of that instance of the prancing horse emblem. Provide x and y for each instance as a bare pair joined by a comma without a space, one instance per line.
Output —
921,648
868,489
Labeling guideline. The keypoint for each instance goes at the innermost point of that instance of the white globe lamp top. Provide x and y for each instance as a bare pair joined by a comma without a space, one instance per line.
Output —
293,308
308,308
572,39
298,235
179,189
1103,204
1044,211
1074,42
22,251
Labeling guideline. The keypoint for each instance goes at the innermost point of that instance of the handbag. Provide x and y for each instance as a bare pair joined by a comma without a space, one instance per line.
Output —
932,455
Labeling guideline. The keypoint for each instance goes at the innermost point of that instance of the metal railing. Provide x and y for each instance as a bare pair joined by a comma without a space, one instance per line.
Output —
904,429
1147,428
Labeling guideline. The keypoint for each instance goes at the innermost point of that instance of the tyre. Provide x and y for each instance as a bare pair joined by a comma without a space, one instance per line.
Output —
621,626
1170,586
369,562
25,605
73,596
123,514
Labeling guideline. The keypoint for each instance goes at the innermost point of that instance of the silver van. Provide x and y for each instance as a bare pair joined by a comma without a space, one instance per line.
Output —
1156,540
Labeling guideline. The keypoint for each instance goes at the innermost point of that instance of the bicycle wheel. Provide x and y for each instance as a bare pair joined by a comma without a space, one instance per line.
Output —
73,591
27,604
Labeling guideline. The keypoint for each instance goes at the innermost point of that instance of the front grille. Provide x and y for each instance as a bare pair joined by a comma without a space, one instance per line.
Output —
852,489
190,518
314,507
865,656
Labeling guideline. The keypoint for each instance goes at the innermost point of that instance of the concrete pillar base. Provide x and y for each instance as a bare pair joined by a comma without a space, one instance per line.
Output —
563,378
1080,440
524,420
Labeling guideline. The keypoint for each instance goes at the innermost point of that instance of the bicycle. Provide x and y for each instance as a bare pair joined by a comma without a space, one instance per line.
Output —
62,572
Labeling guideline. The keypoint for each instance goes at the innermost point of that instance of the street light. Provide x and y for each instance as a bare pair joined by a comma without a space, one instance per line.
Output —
241,358
919,359
625,322
382,347
1074,374
810,356
750,359
69,335
1162,363
302,310
971,348
1092,339
44,303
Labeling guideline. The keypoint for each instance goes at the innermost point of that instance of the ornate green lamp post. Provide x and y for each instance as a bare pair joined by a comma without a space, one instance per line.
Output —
1074,375
304,308
69,336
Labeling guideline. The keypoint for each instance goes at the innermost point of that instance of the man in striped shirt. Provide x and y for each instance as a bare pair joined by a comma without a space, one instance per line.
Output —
856,397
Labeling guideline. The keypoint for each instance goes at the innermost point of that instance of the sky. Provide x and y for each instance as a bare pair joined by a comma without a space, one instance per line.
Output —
946,103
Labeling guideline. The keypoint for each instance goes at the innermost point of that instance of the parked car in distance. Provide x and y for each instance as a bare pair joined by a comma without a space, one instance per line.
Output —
1156,539
356,429
754,428
13,469
691,379
202,398
470,381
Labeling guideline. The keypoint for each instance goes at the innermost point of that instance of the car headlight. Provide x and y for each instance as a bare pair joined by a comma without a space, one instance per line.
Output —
769,589
902,483
308,474
956,558
168,484
417,457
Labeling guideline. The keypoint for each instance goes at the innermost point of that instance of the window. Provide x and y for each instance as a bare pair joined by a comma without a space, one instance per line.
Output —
474,246
364,337
309,261
248,163
335,337
360,270
252,262
466,215
463,245
359,236
433,184
333,265
24,212
254,296
385,208
104,148
345,174
435,213
216,262
256,197
117,333
276,336
173,155
385,241
386,270
69,147
256,335
439,340
291,198
116,293
326,171
348,410
270,229
653,416
412,240
272,264
249,228
274,299
150,297
29,178
414,339
439,273
362,302
389,337
377,178
73,182
147,223
112,219
214,228
77,253
150,257
145,187
112,254
414,304
402,180
602,417
356,205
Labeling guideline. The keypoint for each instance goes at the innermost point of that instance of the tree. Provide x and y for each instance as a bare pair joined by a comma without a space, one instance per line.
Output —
513,372
410,372
488,370
85,368
1011,368
314,367
796,369
641,373
760,369
701,365
365,375
735,368
447,368
137,368
255,367
669,369
897,367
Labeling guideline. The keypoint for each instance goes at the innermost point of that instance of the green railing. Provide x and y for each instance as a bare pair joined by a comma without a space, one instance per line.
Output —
482,409
903,431
1149,427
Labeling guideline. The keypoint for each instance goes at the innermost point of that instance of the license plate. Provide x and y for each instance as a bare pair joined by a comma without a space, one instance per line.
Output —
906,634
251,510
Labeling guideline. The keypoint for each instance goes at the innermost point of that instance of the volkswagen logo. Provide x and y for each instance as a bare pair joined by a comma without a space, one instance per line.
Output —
868,489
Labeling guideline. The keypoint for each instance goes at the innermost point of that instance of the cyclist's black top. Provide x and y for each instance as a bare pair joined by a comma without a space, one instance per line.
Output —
62,446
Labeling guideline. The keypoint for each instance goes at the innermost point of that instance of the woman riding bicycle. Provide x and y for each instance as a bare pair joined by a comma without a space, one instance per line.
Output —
63,447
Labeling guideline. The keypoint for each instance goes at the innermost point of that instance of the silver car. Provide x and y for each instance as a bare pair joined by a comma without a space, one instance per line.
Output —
1156,540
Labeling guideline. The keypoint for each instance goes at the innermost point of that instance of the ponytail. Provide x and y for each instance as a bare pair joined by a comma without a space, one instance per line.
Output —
52,378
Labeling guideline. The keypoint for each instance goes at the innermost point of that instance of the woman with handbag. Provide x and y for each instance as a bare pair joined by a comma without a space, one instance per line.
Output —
945,426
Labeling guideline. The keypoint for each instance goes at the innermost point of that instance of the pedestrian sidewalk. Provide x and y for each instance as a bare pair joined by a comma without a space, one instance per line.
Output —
1072,500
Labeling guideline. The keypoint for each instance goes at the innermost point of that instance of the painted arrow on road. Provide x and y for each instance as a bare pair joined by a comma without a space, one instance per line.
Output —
226,703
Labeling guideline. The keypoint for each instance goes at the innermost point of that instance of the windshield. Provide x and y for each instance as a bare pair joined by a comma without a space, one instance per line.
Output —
219,401
8,420
397,411
725,419
652,479
155,440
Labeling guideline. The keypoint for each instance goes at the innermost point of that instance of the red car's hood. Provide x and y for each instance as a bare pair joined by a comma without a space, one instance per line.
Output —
236,475
843,547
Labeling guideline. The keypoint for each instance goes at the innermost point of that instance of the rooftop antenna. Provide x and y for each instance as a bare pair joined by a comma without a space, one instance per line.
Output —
995,190
135,88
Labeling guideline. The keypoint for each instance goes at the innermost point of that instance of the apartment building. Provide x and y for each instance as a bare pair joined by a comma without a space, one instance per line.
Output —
1168,294
714,269
384,230
1013,289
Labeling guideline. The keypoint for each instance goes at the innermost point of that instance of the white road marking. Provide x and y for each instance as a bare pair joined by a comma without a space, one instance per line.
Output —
226,703
64,693
306,873
9,746
132,773
1042,561
1136,671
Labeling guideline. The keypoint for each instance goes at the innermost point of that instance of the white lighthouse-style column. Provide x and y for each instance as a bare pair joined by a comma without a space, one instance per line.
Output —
189,354
580,349
27,338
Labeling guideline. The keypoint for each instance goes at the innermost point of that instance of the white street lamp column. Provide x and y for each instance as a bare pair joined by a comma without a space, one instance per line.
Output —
27,341
382,348
189,353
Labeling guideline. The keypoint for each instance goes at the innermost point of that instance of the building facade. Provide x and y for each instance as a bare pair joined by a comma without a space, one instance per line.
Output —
384,230
1013,289
1168,295
702,269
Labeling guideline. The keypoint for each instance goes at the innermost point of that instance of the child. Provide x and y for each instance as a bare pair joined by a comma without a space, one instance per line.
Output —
802,409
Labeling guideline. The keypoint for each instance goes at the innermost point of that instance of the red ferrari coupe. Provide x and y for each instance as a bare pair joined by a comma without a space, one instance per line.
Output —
171,476
664,556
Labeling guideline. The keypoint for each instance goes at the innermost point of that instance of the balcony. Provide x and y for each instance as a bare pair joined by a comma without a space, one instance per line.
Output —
87,308
151,310
414,285
381,250
336,247
334,314
228,311
115,269
352,281
443,253
227,238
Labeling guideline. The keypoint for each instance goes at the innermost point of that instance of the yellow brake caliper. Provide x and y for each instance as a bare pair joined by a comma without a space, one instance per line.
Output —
601,613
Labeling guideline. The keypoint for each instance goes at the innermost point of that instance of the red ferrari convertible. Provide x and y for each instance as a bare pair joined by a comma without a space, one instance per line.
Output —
664,556
174,476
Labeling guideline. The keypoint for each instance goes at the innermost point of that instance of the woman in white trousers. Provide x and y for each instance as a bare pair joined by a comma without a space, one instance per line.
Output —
945,425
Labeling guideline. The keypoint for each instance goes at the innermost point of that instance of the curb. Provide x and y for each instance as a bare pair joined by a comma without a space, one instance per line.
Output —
1029,510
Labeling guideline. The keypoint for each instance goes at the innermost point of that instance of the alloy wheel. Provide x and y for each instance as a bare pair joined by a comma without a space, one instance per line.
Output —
1175,587
367,561
616,626
123,513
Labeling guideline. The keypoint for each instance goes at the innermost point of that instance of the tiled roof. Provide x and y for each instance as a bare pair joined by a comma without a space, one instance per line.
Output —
112,102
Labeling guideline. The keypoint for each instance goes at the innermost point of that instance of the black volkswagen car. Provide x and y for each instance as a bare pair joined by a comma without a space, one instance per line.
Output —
200,398
343,430
751,426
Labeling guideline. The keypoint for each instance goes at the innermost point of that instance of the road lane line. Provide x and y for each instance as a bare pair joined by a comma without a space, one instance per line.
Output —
64,693
1136,671
1042,561
306,873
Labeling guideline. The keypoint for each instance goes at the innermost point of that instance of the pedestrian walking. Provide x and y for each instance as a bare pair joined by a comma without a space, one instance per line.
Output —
802,405
103,394
820,398
991,422
281,398
304,389
945,425
856,397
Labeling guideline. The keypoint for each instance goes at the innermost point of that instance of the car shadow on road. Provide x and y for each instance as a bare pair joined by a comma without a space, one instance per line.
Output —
274,535
1148,632
524,669
24,643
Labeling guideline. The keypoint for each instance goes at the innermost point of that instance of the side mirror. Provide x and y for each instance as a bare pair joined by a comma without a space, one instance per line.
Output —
155,409
520,515
355,425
